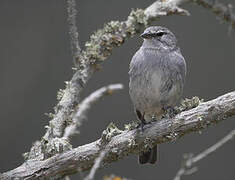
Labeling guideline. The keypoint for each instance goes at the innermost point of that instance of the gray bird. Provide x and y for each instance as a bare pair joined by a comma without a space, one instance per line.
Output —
157,74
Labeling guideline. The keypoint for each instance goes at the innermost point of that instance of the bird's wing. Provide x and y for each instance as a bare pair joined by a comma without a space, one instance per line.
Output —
136,64
177,71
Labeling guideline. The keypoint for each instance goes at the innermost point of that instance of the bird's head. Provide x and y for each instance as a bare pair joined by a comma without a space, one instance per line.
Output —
159,37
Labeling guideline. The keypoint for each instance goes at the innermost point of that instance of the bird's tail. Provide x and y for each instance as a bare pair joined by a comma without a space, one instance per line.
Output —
150,156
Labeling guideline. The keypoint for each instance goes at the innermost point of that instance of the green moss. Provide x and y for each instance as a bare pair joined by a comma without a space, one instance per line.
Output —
132,143
60,94
110,132
44,149
101,43
56,145
187,104
113,27
131,126
136,20
35,152
50,115
138,16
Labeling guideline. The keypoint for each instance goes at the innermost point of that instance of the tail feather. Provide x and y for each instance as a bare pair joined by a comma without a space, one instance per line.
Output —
144,157
150,156
154,155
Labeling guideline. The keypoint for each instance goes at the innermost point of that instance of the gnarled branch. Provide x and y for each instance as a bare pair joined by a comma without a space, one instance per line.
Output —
120,144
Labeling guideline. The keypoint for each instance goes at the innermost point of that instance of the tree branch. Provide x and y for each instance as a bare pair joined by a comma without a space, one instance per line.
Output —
85,105
187,166
224,12
120,144
72,12
96,166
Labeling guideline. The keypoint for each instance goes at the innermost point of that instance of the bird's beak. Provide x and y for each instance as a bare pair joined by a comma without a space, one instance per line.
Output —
145,35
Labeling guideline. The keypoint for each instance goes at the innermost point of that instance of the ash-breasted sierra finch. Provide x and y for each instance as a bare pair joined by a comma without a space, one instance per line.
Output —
157,75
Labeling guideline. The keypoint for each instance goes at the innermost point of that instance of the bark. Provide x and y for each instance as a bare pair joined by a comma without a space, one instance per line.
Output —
120,144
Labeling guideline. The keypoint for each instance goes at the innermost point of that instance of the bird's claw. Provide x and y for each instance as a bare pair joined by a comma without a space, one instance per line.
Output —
141,125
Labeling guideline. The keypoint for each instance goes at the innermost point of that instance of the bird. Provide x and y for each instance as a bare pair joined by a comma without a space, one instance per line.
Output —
157,75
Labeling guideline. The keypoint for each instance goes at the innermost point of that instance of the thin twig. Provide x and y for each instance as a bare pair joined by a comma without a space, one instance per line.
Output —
187,165
96,165
85,105
223,11
73,31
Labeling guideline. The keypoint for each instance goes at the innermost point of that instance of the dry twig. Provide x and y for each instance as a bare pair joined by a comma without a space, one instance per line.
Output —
96,166
72,12
189,160
85,105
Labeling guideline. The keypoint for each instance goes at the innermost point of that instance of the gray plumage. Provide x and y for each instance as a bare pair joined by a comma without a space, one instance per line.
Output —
157,75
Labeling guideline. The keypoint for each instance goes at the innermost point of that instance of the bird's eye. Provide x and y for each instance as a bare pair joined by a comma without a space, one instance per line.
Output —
160,33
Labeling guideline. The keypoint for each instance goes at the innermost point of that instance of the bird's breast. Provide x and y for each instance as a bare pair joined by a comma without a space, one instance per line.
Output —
155,80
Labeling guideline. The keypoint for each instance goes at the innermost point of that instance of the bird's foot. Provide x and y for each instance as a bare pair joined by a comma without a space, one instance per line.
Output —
141,125
142,120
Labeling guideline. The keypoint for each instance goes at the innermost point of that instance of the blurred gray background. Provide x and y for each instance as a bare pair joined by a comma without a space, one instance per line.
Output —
35,60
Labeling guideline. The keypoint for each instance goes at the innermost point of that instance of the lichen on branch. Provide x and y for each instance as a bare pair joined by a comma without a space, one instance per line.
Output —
124,143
